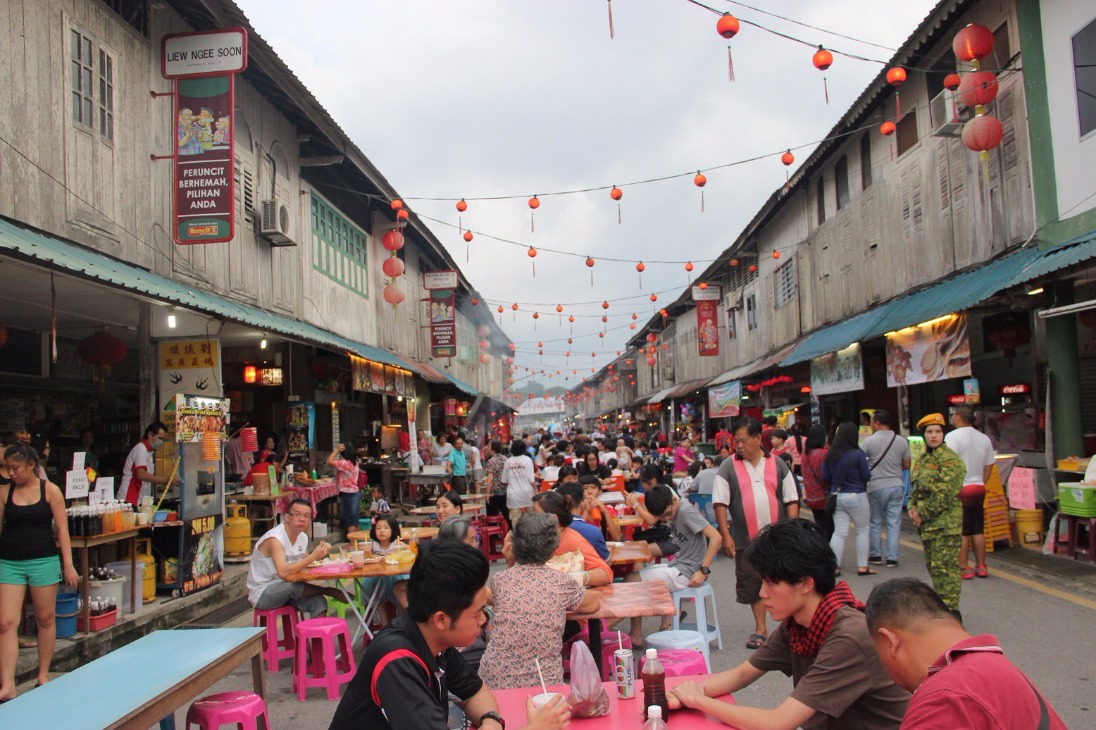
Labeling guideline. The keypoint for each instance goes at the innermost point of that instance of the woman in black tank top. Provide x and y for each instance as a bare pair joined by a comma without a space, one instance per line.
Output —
29,508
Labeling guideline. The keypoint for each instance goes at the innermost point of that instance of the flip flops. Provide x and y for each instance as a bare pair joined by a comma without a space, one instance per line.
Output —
755,642
866,571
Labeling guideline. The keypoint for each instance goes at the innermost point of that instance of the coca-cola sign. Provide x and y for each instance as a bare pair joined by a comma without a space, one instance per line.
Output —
1016,389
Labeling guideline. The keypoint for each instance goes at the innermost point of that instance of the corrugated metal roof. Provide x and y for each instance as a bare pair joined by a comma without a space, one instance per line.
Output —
955,294
761,363
660,395
46,249
460,384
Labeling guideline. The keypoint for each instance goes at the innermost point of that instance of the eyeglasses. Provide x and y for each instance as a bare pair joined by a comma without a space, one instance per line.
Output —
299,515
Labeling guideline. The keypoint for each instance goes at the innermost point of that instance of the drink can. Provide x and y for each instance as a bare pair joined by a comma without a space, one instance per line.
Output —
624,669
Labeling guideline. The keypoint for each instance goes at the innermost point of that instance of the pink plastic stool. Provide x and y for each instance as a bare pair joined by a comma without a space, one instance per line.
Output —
679,662
315,664
276,648
228,708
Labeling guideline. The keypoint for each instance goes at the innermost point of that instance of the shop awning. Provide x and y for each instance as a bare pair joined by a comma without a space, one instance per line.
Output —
660,395
761,363
781,410
687,387
54,252
427,372
461,385
955,294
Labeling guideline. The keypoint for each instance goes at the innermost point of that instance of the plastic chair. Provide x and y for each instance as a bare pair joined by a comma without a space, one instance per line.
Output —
679,662
698,596
703,503
691,640
315,664
276,648
228,708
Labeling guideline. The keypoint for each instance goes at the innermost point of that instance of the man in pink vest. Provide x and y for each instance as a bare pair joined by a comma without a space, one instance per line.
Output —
753,489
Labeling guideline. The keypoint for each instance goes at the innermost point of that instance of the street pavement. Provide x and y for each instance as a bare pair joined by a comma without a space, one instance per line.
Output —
1041,608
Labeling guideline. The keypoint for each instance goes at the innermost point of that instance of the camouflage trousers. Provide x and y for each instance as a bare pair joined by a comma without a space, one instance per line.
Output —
942,560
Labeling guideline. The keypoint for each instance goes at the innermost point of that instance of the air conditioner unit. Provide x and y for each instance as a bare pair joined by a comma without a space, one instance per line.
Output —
947,115
732,302
668,372
274,223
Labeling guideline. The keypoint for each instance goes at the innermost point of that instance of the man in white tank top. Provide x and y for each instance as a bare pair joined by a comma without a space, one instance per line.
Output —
281,551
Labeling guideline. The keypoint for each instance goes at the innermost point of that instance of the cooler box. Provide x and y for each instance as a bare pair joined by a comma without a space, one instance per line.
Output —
122,568
1078,499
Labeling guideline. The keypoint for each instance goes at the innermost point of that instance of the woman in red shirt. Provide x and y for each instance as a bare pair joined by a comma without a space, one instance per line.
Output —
814,491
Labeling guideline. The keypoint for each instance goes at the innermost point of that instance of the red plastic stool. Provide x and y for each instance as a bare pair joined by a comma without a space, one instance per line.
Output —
315,664
679,662
242,709
491,548
276,648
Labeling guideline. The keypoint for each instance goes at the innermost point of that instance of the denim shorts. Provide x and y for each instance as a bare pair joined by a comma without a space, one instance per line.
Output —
35,572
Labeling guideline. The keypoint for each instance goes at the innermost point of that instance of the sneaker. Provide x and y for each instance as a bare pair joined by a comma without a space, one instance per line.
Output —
875,561
966,573
892,563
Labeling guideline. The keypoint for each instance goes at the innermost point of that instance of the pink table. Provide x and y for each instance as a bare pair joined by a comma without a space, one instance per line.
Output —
315,495
623,714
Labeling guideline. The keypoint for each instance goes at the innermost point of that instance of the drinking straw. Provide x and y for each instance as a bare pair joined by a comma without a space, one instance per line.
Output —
620,640
543,686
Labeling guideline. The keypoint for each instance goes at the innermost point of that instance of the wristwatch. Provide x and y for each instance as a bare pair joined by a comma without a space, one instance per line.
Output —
492,715
705,570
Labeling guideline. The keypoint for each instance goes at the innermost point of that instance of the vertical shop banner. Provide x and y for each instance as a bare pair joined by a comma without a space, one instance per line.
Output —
707,320
189,367
838,372
197,415
300,429
936,350
725,401
443,323
204,205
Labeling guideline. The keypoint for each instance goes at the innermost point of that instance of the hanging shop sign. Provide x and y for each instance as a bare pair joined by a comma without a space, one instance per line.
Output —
972,391
255,375
443,323
373,377
838,372
197,415
188,367
446,279
204,65
707,320
725,401
935,350
1016,389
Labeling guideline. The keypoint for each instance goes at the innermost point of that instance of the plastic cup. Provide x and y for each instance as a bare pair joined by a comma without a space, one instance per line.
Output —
543,699
142,518
358,558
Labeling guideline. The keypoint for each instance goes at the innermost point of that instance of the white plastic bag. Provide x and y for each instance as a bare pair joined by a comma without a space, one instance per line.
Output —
588,697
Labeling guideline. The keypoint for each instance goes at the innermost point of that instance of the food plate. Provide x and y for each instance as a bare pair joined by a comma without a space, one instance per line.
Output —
615,544
390,561
369,561
332,569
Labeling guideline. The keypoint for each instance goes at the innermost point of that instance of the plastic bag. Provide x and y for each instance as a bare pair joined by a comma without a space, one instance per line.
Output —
588,697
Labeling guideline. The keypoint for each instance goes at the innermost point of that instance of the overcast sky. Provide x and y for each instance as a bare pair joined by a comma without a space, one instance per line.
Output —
487,98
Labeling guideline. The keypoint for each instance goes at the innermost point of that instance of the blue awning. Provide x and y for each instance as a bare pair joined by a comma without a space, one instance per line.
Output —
954,294
51,251
461,385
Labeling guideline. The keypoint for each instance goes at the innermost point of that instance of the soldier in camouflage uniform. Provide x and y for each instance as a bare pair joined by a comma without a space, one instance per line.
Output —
934,507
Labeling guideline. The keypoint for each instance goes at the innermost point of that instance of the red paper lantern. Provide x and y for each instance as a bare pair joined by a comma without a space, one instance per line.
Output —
468,236
392,267
475,301
978,88
402,214
652,360
703,285
753,268
484,358
251,376
972,43
514,306
531,253
776,254
483,331
484,345
699,180
727,26
605,305
896,76
396,204
640,267
734,262
887,128
559,308
952,81
589,262
616,193
664,313
787,158
822,59
461,206
534,202
394,293
982,133
651,337
101,348
392,240
688,265
654,297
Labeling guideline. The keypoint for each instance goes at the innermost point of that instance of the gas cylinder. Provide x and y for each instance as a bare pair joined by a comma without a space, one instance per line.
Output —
237,530
144,555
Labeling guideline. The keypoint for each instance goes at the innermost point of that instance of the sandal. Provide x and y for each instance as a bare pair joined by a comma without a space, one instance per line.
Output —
982,571
756,640
966,573
866,571
28,644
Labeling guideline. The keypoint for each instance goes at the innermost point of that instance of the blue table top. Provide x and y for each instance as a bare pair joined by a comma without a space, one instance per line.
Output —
104,691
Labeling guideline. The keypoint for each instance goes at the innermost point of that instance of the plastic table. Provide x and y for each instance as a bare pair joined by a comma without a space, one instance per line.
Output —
625,600
140,684
83,544
623,714
369,570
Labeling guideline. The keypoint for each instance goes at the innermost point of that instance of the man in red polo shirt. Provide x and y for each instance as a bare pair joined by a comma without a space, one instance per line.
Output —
958,680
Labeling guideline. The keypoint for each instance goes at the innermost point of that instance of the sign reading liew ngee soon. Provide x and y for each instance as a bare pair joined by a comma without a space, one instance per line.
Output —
203,53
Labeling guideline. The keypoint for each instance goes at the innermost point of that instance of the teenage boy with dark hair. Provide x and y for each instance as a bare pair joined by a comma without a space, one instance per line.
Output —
410,666
822,642
958,680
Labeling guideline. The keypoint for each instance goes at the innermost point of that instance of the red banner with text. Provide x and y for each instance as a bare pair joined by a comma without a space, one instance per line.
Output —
707,327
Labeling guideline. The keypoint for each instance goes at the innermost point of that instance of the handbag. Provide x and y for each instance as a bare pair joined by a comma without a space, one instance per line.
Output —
831,498
569,562
656,534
